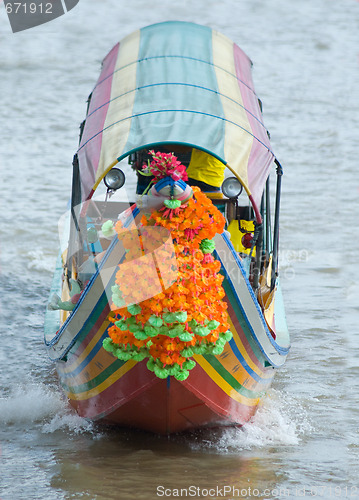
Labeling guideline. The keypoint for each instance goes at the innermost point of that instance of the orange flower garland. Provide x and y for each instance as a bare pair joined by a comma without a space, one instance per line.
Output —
187,318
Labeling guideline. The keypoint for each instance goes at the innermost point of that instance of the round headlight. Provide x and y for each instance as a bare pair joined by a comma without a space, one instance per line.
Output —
114,179
231,187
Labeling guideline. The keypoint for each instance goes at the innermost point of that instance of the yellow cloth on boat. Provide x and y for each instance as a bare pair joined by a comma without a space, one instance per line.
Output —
206,168
237,235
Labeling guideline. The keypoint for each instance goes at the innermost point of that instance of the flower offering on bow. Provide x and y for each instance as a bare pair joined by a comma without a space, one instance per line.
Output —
165,165
189,317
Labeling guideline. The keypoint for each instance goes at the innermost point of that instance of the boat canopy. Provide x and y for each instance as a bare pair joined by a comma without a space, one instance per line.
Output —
176,83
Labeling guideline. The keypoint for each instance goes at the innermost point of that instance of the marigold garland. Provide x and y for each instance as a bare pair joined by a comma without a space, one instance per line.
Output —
187,318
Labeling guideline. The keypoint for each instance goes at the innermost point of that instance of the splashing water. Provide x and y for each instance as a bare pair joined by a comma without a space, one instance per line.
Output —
279,421
39,403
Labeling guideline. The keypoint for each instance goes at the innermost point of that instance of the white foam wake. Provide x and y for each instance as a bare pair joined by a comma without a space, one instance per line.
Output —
39,403
279,421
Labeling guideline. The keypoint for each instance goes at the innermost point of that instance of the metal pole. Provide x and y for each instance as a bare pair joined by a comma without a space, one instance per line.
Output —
74,223
276,225
258,241
268,221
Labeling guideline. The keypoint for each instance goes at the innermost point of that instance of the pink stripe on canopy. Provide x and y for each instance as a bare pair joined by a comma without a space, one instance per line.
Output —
261,156
89,156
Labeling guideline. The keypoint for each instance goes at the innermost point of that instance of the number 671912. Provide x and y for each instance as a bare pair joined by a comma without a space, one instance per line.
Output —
26,8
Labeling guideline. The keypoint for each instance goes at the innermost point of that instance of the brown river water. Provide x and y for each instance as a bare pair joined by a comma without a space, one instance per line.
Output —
304,440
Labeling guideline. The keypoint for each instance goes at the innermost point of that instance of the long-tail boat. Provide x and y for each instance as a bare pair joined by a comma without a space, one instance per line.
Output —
166,312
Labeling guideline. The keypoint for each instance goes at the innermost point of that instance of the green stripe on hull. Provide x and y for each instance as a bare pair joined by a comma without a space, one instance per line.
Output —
93,383
242,321
230,379
90,323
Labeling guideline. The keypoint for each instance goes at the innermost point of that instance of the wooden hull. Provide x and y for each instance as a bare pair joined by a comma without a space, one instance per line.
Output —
219,390
163,406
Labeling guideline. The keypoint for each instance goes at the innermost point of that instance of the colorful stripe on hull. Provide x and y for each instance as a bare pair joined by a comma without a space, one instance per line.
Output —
229,385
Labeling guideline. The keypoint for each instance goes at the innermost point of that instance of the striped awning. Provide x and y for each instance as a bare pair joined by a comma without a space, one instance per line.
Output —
176,82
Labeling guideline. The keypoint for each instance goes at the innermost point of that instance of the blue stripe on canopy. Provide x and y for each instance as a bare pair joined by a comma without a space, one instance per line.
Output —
177,97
